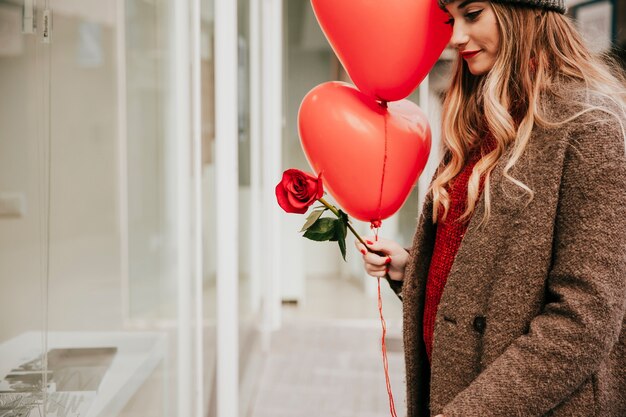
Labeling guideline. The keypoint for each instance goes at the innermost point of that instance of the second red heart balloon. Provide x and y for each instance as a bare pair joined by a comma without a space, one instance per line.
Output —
343,136
386,46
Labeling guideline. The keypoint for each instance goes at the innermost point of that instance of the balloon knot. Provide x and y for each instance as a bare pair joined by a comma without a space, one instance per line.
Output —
375,224
383,103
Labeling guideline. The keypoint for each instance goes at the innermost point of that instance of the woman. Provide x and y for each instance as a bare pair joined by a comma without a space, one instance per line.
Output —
514,289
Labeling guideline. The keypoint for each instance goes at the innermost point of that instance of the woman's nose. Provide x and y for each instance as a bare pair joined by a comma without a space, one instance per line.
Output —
459,36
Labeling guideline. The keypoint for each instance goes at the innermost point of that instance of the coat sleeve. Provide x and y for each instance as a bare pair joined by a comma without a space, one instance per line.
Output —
585,288
396,286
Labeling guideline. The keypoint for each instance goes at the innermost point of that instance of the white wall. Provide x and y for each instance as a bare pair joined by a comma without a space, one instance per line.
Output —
309,62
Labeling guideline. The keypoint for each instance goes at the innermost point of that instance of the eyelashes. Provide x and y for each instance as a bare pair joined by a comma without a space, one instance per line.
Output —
471,16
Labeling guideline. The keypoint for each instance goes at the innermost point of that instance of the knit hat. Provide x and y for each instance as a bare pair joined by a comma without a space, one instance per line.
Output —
555,5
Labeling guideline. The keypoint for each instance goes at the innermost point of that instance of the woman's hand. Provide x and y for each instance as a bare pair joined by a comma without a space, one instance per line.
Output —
393,260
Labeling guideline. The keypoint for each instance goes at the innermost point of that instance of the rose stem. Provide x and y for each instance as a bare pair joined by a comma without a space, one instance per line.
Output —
336,212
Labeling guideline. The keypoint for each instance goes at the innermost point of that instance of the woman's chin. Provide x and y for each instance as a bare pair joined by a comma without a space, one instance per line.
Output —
478,70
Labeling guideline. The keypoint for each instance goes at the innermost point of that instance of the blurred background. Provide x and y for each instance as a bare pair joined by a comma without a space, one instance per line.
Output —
145,269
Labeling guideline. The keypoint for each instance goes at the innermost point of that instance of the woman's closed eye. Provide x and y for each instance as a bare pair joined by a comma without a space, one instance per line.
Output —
470,16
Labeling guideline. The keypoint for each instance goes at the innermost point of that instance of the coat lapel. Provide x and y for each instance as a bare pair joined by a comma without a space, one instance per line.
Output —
456,352
477,250
480,247
462,314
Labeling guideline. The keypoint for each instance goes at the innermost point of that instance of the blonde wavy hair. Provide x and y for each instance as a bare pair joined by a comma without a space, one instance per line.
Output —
539,51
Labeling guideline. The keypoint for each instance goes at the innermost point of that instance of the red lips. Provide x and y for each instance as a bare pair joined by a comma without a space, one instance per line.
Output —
469,54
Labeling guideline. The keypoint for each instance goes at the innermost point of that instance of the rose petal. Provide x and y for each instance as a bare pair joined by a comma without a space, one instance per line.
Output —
281,198
297,191
298,206
311,185
290,185
302,195
320,187
306,193
311,200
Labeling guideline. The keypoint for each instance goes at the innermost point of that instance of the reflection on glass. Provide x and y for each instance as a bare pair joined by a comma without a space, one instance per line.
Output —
209,239
111,345
148,240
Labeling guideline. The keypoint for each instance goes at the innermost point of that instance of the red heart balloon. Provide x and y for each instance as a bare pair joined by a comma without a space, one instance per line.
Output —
386,46
343,136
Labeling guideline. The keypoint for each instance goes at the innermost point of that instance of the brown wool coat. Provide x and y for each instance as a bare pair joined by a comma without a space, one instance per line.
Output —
531,321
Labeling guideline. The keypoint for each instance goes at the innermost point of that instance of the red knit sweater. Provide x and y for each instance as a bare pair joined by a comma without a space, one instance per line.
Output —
447,241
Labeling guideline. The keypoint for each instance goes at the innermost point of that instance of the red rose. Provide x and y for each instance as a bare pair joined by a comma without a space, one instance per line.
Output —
298,190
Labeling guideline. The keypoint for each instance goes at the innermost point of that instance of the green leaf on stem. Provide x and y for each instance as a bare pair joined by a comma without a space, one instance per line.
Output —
341,232
322,229
315,214
343,217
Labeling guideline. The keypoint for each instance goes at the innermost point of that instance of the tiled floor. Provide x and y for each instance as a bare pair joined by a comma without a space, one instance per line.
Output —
326,359
335,298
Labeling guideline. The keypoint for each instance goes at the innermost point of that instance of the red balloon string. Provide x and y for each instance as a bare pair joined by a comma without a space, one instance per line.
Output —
375,224
382,179
392,407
